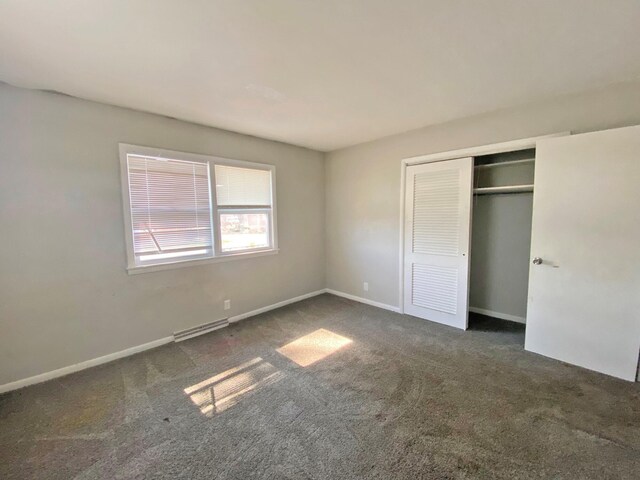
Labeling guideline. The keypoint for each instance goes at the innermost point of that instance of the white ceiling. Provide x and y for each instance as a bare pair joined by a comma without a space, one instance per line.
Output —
318,73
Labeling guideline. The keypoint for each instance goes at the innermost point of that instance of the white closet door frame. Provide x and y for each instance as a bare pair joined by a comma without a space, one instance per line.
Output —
511,146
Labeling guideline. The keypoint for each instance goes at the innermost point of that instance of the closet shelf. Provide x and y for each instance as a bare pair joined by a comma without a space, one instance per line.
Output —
504,189
505,164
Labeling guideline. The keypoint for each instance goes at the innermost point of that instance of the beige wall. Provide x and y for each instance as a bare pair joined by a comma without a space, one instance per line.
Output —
363,182
500,245
65,296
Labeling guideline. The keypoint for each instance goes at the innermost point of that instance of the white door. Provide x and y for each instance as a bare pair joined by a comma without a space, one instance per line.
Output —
584,296
437,236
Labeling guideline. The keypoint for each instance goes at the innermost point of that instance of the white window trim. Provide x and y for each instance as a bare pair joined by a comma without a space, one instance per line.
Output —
219,256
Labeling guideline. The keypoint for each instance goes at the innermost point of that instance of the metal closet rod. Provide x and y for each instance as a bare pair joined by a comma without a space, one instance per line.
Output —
504,189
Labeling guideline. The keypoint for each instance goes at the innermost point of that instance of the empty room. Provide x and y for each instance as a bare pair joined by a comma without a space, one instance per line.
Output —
298,239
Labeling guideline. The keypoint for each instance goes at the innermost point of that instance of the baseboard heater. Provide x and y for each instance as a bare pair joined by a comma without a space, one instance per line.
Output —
200,330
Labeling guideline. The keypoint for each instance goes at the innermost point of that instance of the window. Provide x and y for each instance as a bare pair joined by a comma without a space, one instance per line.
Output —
244,207
183,207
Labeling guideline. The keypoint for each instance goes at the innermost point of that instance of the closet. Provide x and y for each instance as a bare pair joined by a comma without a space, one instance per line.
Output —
542,230
501,234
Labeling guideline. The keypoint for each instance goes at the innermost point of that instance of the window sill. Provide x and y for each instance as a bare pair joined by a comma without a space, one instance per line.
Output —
202,261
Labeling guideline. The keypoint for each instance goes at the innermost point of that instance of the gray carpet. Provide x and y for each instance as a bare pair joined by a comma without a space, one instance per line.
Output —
406,399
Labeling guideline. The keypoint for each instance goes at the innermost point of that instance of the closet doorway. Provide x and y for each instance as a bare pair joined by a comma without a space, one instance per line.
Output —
501,242
466,233
467,236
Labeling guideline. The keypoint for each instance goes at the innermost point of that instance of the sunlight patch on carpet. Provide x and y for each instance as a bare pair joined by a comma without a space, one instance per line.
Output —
313,347
226,389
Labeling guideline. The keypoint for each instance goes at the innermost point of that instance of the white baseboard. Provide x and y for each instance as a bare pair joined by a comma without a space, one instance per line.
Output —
363,300
258,311
61,372
502,316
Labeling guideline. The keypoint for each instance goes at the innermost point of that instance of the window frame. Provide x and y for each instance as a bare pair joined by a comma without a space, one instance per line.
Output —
218,255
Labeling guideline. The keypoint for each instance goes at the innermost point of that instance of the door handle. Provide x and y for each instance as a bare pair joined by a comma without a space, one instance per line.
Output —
537,261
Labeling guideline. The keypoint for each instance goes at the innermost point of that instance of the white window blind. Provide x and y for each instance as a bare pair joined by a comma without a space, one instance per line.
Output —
242,186
243,197
170,209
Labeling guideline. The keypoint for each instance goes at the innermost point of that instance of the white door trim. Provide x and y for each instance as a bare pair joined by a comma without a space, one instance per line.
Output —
510,146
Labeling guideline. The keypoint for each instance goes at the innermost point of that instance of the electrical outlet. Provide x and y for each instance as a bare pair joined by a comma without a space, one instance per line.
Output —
227,304
366,286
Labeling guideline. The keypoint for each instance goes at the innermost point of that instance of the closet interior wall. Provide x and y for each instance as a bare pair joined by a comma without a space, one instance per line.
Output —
501,236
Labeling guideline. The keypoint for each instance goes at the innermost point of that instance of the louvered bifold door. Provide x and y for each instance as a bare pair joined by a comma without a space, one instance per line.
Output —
437,238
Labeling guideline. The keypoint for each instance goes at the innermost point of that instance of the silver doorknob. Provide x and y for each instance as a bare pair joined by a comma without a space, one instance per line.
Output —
537,261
